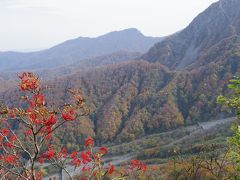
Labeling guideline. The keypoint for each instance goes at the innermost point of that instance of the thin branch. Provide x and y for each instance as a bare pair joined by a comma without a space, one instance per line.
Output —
11,171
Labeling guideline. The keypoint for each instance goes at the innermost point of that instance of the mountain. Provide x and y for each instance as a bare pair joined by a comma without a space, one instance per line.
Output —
89,64
175,85
8,79
139,98
210,30
73,51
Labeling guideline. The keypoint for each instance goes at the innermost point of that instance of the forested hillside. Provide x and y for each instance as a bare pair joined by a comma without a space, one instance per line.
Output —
141,97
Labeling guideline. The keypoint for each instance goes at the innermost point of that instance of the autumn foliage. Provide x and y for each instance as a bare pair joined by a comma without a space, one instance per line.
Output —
27,136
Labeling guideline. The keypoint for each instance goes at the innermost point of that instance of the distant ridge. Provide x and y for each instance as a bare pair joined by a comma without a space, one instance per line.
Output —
73,51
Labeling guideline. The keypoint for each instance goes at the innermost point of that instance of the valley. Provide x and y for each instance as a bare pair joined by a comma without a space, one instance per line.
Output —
150,98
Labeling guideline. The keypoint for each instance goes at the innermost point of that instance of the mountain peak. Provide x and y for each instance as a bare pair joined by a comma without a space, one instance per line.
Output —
130,32
216,23
75,50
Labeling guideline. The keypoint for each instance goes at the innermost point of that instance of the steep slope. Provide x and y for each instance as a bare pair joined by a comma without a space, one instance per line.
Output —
132,99
140,98
75,50
220,21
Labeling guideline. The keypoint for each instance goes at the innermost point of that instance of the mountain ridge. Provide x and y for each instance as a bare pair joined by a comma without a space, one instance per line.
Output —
75,50
133,99
182,49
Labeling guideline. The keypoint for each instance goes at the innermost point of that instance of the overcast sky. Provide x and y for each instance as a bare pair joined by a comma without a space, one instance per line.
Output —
38,24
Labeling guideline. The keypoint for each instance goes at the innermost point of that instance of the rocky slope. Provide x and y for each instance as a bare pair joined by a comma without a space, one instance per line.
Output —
209,30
